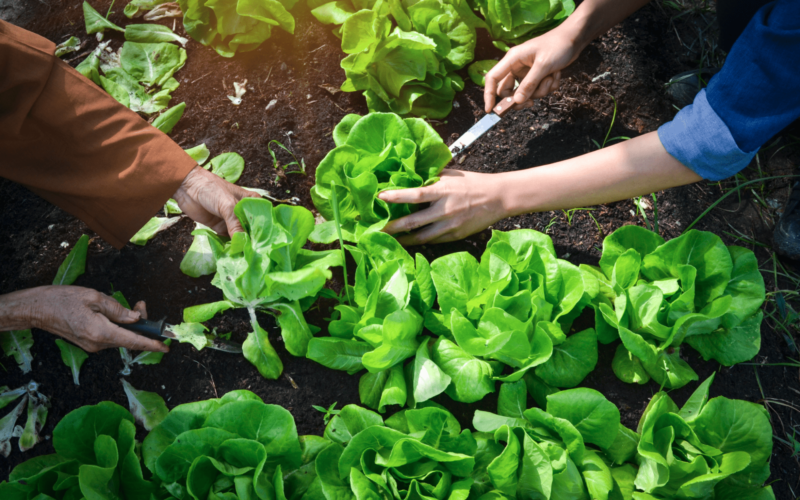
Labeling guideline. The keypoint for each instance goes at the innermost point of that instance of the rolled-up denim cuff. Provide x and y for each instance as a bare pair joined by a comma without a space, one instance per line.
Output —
698,138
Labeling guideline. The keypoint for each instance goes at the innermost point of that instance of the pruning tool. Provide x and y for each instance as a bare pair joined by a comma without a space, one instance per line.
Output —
484,125
160,330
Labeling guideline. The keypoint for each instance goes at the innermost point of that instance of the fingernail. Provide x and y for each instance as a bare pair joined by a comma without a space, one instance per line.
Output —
134,315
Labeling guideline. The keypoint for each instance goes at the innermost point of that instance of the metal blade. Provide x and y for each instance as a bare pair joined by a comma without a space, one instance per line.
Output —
473,134
225,345
215,343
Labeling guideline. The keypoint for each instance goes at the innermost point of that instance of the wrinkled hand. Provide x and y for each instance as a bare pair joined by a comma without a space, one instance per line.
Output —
536,64
83,316
210,200
461,204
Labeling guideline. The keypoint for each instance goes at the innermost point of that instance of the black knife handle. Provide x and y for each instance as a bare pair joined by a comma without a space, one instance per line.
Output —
145,327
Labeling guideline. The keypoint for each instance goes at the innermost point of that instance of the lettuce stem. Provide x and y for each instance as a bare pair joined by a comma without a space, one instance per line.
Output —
337,218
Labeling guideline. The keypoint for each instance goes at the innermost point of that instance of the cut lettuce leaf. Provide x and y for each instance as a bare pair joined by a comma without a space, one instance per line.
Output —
148,408
72,356
17,344
95,23
75,263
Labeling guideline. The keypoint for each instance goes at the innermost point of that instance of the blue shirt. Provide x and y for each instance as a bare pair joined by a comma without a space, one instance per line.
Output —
755,95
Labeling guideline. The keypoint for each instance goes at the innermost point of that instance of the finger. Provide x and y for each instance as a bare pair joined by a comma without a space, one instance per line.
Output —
529,84
220,228
250,194
141,308
524,105
445,238
449,236
498,74
415,220
113,310
413,195
240,192
492,79
425,235
506,88
113,336
556,81
489,93
544,88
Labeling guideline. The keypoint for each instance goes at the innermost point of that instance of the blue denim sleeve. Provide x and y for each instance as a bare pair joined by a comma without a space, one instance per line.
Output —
753,97
698,138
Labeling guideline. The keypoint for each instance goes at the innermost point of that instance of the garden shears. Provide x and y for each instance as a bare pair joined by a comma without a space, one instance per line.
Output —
161,330
484,125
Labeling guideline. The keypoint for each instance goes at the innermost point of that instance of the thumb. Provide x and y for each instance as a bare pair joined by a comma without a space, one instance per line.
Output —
233,224
226,210
114,311
141,308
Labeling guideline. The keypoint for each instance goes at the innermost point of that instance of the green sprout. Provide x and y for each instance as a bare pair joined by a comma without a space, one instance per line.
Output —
329,412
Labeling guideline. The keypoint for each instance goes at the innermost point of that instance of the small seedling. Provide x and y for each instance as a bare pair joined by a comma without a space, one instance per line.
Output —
571,213
613,118
599,229
640,206
301,164
550,225
792,443
328,413
655,213
735,190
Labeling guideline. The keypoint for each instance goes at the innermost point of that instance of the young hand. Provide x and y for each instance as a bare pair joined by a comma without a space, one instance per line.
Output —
210,200
81,315
536,64
461,203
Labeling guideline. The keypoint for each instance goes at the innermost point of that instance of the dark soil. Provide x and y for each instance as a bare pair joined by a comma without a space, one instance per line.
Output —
302,73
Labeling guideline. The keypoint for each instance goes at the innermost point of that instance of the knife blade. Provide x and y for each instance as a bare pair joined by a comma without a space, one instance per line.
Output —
160,330
484,125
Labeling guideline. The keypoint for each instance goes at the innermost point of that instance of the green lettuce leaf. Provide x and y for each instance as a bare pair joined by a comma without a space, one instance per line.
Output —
514,22
266,269
235,26
691,289
374,153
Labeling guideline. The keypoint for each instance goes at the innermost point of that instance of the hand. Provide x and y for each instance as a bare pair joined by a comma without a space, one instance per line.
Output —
210,200
80,315
461,203
537,64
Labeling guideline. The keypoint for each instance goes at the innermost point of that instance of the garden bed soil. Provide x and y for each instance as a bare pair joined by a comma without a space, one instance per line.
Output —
302,74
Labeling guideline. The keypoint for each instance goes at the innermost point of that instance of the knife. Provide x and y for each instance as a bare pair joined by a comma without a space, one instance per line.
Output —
160,330
484,125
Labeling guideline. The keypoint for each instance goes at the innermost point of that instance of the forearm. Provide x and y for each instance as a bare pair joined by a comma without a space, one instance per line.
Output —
593,18
15,310
627,169
69,141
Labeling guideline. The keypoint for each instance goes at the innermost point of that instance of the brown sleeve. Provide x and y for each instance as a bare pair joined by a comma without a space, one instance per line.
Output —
74,145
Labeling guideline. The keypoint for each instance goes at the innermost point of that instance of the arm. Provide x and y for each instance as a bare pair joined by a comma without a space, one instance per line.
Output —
463,203
753,97
537,63
70,142
80,315
74,145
